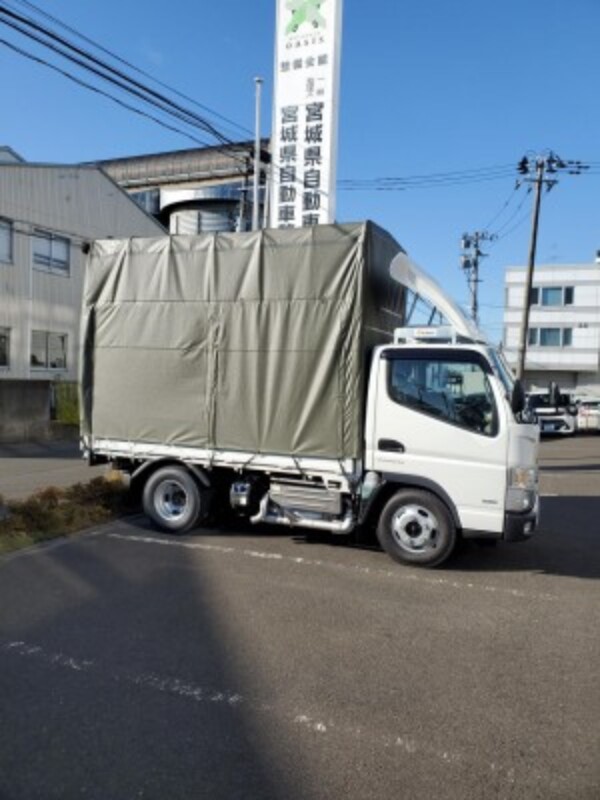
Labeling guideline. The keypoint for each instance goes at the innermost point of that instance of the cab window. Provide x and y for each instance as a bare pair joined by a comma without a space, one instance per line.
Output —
453,391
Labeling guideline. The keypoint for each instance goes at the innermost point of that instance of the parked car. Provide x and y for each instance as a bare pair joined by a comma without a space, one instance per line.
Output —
554,412
588,414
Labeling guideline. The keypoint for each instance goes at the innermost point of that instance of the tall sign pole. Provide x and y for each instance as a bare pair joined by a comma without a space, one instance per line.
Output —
305,112
256,184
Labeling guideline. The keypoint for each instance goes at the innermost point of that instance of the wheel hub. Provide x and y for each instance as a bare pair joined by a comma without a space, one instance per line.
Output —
415,528
171,500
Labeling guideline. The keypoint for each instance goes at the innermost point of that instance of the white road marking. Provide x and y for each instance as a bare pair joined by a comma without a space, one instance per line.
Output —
398,574
24,649
201,694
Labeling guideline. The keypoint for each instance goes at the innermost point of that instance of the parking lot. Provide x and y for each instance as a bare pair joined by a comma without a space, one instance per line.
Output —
257,664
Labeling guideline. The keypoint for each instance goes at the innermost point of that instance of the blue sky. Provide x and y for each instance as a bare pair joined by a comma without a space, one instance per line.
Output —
428,86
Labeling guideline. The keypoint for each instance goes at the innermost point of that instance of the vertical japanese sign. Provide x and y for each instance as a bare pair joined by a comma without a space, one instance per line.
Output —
305,112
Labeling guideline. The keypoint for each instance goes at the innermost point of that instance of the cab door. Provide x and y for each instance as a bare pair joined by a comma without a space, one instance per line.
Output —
438,420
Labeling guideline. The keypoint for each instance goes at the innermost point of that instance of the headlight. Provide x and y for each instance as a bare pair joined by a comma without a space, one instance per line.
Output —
522,489
520,500
522,478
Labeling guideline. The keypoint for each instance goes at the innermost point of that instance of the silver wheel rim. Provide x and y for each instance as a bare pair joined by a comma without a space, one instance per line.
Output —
415,528
171,500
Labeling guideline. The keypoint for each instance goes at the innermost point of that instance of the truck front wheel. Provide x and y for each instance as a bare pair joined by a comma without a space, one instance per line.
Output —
416,528
172,499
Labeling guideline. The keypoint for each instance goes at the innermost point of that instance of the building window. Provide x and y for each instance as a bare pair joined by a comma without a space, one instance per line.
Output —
6,241
535,296
569,292
550,337
51,252
48,350
552,296
4,347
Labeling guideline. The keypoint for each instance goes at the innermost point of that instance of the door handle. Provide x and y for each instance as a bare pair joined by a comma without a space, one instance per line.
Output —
390,446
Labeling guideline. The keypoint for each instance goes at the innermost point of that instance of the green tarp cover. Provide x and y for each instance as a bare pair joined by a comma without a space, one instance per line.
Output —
254,342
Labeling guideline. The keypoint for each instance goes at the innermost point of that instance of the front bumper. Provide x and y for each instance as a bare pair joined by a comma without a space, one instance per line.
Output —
520,527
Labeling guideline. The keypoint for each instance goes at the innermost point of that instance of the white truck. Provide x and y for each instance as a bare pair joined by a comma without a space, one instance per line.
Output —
277,374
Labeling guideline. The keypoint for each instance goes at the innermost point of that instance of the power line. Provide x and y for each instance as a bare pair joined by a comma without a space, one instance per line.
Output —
512,216
95,89
458,177
101,69
515,227
504,206
129,64
121,80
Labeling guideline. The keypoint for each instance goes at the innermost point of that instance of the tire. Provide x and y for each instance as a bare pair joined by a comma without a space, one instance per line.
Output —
416,528
173,500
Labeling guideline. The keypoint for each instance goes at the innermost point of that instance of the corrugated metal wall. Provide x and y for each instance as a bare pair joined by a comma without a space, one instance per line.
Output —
78,203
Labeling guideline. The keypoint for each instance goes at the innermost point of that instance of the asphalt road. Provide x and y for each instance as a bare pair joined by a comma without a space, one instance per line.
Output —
259,664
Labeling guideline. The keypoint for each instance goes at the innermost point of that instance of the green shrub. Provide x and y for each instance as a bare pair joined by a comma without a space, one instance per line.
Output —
66,403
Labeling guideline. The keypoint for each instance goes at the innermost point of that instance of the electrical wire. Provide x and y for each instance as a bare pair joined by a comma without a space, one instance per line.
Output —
515,213
132,66
433,180
167,106
503,208
514,227
122,81
126,83
106,72
95,89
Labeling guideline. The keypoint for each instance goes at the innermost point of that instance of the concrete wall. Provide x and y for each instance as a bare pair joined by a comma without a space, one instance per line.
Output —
24,410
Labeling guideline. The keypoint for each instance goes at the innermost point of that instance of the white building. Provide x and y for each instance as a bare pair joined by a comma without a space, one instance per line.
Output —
46,213
563,340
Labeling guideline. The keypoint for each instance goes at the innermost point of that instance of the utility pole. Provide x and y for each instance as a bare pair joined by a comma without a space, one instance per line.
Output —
535,170
255,204
470,263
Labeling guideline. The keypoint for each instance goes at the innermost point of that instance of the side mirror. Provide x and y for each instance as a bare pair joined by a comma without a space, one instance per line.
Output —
517,400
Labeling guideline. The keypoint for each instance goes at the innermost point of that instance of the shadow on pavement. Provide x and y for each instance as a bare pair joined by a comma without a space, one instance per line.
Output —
43,450
567,542
118,679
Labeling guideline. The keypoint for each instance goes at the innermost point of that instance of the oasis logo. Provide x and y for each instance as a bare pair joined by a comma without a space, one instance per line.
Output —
304,11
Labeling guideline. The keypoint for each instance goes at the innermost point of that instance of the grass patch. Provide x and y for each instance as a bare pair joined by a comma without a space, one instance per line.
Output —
54,512
66,401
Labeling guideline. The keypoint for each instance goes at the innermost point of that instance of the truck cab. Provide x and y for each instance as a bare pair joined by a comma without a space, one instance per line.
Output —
444,441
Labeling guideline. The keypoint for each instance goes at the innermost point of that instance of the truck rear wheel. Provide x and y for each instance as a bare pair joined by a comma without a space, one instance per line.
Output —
416,528
172,499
